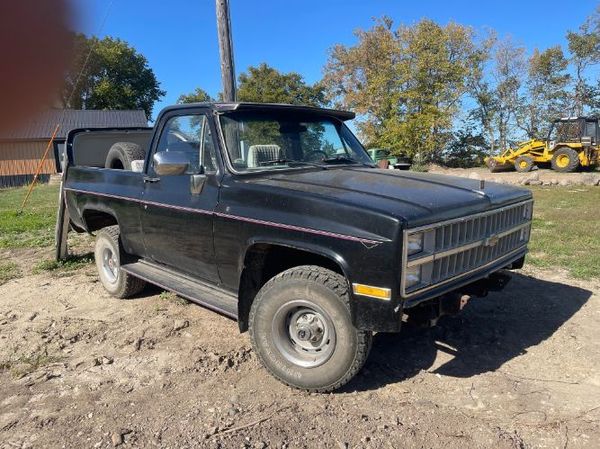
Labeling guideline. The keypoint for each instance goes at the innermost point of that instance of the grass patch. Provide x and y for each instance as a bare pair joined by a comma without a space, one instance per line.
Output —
71,263
172,297
8,270
565,230
34,227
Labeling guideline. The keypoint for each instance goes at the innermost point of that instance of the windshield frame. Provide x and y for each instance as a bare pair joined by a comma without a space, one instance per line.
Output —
344,133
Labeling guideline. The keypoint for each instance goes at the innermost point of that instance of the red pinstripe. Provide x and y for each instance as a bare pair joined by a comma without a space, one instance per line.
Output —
233,217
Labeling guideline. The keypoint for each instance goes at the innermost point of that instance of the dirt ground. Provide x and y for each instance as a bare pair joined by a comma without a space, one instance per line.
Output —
516,369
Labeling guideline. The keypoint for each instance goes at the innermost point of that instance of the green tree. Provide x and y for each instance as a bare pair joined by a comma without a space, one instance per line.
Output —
584,47
109,74
467,148
546,91
485,112
407,83
508,74
199,95
264,84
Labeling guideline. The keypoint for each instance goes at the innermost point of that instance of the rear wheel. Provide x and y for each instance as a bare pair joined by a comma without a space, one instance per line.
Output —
523,164
109,255
301,329
565,160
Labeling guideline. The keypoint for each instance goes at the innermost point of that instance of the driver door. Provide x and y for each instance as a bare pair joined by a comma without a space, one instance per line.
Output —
177,216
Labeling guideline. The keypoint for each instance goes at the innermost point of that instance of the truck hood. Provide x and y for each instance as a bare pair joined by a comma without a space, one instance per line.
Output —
415,198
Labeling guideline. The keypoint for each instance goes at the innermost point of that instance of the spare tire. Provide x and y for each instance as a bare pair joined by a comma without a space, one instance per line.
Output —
121,154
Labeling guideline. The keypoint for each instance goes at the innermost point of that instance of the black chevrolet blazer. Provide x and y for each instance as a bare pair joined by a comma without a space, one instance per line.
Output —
274,215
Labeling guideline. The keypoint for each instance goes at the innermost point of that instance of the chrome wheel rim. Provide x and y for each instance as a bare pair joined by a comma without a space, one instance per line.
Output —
110,265
303,333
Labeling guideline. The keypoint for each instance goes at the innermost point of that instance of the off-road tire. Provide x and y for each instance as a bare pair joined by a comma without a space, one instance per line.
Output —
124,285
573,160
121,154
327,290
523,164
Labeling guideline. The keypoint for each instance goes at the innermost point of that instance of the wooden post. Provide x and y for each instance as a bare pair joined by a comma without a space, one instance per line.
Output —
62,217
226,50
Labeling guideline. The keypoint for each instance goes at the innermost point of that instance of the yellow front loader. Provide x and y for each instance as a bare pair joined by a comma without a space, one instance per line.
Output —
571,143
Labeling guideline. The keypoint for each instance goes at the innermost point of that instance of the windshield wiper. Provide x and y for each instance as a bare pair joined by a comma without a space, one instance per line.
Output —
291,163
343,160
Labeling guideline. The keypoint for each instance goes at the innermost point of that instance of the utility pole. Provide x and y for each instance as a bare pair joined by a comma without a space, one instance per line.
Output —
226,50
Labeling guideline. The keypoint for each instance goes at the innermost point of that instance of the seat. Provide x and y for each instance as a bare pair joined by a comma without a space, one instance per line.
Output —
263,153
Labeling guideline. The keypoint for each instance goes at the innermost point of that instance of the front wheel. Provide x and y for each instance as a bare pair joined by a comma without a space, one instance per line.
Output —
301,329
523,164
565,160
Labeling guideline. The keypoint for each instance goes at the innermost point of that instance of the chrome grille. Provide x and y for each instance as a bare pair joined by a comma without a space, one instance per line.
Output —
457,247
478,227
446,267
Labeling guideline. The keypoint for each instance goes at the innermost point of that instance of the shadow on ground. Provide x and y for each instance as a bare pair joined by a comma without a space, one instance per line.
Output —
489,332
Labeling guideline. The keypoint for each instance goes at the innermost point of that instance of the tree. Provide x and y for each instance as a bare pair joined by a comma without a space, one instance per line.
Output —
109,74
467,148
199,95
485,111
508,72
547,95
584,47
407,83
264,84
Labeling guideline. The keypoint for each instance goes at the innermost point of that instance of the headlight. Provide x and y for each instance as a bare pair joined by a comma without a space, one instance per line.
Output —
413,276
415,243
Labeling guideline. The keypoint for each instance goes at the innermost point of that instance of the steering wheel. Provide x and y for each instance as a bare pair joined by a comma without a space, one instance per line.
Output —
310,156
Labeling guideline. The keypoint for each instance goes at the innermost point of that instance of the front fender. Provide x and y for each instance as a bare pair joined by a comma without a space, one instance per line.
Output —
367,313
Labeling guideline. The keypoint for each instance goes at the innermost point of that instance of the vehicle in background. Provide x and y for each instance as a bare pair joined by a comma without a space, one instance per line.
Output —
572,143
383,159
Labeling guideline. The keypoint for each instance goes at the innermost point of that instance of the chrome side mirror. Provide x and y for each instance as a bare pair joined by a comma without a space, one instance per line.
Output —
171,163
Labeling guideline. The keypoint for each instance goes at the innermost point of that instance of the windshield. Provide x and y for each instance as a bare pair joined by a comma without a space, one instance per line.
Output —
259,141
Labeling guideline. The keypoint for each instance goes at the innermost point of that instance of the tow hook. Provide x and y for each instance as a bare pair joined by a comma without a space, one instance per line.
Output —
495,282
428,313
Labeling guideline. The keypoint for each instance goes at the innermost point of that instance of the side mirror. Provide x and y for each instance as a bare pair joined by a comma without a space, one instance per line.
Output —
171,163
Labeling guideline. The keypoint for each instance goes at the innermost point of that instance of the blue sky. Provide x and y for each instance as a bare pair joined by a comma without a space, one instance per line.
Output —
179,36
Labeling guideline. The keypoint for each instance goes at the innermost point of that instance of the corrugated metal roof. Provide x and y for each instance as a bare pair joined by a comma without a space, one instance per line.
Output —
43,125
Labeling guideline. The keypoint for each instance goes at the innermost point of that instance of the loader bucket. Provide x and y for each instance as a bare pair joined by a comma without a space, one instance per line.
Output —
496,166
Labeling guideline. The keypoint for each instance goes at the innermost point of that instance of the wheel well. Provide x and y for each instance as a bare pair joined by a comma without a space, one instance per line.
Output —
264,261
95,220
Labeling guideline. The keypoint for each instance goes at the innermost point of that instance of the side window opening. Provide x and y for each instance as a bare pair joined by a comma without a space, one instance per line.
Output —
190,134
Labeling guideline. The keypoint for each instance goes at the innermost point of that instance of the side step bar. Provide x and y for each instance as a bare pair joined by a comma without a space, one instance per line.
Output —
196,291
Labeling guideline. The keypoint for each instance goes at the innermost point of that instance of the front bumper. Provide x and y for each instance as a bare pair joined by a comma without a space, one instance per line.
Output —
386,316
467,278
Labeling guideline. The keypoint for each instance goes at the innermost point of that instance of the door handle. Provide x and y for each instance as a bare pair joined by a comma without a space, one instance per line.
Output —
151,179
